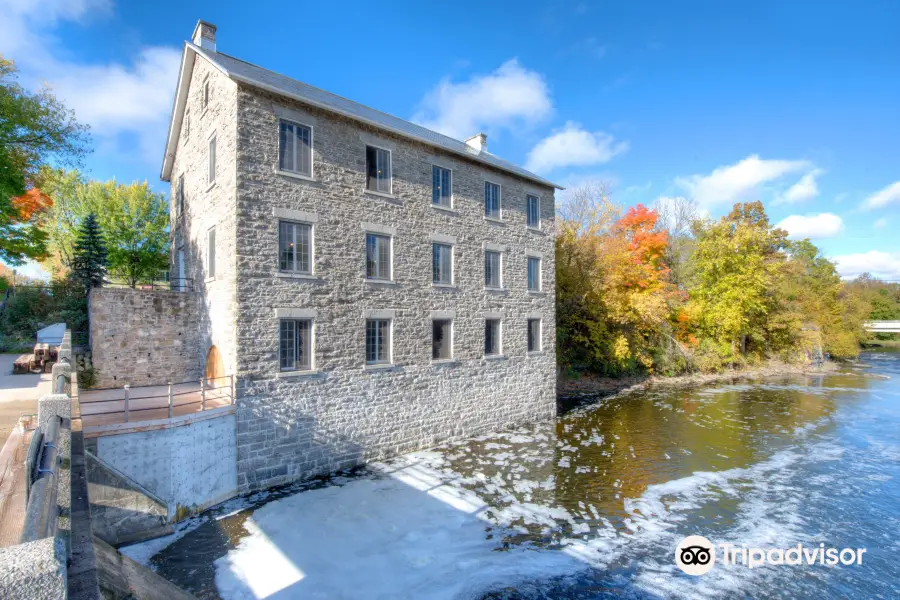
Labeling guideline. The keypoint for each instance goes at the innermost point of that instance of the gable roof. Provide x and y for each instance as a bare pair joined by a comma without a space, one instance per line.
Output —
250,74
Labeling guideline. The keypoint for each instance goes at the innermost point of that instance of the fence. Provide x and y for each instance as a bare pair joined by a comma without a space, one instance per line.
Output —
141,403
182,284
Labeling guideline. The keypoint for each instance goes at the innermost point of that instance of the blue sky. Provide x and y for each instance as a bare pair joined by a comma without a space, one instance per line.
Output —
794,103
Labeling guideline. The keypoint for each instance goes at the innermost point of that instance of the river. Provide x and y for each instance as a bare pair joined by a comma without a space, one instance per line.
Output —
591,506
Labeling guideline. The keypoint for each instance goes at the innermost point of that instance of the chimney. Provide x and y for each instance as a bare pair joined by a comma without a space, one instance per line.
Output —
478,141
205,36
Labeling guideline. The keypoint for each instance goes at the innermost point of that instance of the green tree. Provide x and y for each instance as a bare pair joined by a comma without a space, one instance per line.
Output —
137,232
34,128
89,263
134,220
738,263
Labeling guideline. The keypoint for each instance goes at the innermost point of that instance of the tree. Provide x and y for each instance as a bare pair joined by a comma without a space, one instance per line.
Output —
738,264
89,264
137,232
34,128
677,217
134,220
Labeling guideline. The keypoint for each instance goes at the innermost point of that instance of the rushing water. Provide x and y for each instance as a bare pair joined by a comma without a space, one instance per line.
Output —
589,507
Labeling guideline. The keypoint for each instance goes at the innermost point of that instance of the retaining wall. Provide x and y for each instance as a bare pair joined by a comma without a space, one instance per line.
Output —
188,462
141,337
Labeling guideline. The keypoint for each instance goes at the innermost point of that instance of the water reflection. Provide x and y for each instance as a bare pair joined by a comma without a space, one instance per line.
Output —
734,459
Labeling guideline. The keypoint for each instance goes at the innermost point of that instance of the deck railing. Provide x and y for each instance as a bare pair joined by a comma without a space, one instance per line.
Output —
208,393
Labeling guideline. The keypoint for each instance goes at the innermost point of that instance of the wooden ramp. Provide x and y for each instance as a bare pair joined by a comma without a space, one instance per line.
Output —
12,482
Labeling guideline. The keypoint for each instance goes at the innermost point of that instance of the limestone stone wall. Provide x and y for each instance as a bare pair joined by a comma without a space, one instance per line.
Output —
342,413
206,206
141,337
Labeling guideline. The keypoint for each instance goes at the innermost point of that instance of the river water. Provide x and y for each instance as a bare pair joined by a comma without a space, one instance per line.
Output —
591,506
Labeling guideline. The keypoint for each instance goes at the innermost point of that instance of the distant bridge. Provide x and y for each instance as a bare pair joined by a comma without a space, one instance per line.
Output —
883,326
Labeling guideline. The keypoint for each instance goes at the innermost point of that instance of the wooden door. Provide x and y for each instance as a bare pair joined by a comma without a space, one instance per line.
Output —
214,366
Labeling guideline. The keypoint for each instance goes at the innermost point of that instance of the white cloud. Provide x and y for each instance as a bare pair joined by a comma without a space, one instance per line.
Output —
512,96
883,197
885,265
824,225
572,146
739,181
881,223
805,189
114,99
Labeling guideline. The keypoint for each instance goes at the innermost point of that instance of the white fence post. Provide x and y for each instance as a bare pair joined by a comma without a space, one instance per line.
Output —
233,389
203,394
170,399
127,387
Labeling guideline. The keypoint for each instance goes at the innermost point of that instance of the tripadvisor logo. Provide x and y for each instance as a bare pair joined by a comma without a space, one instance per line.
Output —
696,555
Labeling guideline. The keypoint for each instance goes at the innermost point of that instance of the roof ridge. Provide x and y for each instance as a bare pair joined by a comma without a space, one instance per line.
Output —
323,90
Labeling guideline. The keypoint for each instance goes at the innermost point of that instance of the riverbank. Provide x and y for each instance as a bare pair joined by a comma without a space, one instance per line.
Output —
572,392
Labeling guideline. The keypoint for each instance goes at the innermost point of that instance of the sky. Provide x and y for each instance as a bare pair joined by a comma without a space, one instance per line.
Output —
793,103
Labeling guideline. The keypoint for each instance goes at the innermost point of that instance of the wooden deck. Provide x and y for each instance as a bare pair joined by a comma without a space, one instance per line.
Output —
146,403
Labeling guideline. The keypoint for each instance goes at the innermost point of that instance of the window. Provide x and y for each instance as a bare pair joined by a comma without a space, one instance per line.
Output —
295,344
378,256
205,93
491,337
211,253
492,269
179,196
378,170
534,335
211,167
534,274
441,187
441,339
378,341
187,124
534,211
491,200
442,264
295,247
295,148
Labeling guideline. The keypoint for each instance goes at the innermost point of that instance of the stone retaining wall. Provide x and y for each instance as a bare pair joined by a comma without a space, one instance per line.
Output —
141,337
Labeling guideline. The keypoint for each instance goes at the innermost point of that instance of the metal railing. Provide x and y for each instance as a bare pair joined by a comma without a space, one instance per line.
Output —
210,391
181,284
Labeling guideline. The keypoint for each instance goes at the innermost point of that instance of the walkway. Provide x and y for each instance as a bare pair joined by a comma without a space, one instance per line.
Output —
18,396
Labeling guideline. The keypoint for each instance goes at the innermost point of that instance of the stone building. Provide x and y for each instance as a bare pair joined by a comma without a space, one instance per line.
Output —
376,287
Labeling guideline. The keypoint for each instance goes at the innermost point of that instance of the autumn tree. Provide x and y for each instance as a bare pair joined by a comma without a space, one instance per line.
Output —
134,220
739,262
34,129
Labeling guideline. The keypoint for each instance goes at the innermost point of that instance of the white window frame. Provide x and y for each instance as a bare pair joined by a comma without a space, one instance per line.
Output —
452,321
312,345
540,273
312,158
452,264
312,247
211,253
390,239
390,343
499,216
499,336
450,200
390,191
212,159
538,198
499,253
540,336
